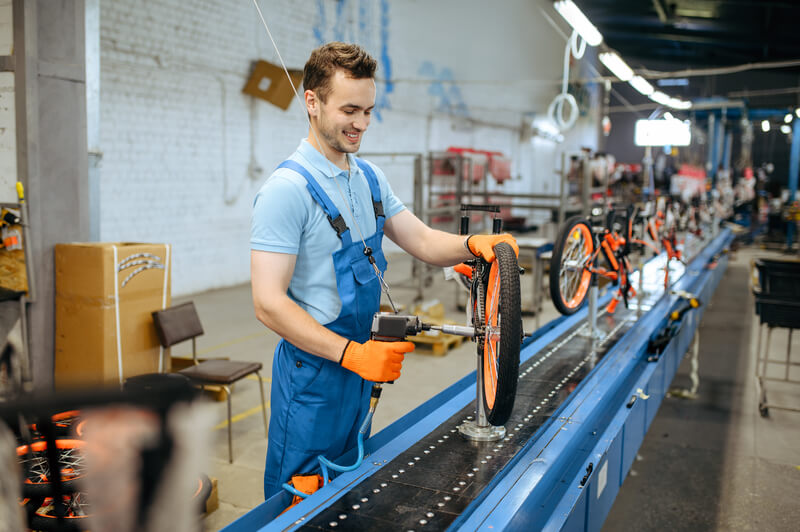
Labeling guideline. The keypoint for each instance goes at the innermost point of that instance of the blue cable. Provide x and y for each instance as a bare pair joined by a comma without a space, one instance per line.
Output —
324,463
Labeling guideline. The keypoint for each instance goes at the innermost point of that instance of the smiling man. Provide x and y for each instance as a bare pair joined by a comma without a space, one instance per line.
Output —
316,258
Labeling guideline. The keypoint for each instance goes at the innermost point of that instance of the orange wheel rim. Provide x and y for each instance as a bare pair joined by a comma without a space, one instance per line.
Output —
40,446
574,286
70,460
66,415
492,337
70,500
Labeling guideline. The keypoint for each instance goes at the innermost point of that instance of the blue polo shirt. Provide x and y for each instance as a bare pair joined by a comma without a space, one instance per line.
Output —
286,219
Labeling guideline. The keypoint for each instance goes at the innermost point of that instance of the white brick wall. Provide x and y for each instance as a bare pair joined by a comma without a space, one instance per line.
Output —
176,131
8,126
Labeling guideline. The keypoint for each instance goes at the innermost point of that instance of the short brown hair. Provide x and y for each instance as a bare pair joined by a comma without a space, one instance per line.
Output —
326,59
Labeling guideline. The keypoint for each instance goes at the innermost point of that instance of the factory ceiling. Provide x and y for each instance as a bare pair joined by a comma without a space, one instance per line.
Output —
701,33
675,35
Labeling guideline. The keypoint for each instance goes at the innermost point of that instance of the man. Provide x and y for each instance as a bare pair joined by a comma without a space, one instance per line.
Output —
316,258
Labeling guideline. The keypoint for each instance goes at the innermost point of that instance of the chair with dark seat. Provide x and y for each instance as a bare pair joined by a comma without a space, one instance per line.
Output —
181,322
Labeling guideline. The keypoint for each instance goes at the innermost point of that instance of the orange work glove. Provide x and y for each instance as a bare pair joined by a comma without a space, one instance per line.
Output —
483,245
375,361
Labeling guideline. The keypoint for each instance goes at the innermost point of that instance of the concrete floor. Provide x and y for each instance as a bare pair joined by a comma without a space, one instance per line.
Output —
706,464
713,463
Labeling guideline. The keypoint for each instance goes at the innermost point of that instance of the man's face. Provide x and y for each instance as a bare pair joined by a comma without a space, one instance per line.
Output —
342,120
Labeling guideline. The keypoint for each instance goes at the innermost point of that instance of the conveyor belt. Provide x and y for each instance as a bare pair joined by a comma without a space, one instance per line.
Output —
549,472
441,474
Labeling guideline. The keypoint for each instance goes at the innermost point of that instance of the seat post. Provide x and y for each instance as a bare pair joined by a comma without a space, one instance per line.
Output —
194,350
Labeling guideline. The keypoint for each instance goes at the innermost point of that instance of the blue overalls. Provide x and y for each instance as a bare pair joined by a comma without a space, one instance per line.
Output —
317,405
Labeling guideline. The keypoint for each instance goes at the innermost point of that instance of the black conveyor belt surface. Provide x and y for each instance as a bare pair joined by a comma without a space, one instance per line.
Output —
431,483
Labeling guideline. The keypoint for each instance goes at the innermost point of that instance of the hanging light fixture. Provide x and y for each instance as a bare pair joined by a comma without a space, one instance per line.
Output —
616,65
641,85
660,97
575,17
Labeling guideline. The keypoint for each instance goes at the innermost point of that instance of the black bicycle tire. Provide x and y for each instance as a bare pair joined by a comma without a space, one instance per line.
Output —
510,337
555,265
201,496
52,524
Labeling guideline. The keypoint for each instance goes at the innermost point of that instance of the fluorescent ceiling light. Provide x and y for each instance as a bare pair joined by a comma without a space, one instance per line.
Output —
677,82
675,103
765,125
786,129
575,17
641,85
662,133
616,65
787,118
660,97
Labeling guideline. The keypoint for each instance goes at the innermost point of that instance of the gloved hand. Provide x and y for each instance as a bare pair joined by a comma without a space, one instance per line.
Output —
375,361
483,245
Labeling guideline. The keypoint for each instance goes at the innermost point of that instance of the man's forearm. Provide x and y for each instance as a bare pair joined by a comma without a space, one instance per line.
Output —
296,326
428,245
440,248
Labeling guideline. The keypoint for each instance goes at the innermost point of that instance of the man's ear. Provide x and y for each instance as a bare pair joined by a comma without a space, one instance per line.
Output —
312,103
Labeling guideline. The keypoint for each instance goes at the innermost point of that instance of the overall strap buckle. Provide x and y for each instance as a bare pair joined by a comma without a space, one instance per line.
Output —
377,206
338,225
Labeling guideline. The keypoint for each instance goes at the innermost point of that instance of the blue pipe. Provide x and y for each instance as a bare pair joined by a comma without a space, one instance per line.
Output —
324,463
794,169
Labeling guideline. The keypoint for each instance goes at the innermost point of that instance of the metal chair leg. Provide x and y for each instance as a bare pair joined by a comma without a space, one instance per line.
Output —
263,404
766,353
758,350
230,436
788,355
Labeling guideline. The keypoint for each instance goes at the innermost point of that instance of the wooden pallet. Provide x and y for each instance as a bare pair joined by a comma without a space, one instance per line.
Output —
436,345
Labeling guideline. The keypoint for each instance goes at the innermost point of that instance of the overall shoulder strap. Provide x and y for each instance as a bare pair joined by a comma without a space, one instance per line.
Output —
334,216
375,190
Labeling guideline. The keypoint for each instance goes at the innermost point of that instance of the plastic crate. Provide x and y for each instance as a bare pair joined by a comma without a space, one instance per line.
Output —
778,279
778,312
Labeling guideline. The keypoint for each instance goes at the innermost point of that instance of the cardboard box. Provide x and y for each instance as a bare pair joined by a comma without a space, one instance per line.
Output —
269,82
213,499
105,294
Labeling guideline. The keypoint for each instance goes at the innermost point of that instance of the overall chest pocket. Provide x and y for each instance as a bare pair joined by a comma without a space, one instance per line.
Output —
368,287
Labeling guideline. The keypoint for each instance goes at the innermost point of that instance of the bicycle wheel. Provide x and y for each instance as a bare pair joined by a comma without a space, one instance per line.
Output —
61,423
569,278
36,468
77,513
503,336
202,492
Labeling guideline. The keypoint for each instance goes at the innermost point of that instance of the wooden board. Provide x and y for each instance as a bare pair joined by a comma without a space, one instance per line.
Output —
13,276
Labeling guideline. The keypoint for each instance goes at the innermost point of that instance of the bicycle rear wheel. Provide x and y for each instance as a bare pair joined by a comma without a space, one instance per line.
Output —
36,468
569,278
76,518
503,336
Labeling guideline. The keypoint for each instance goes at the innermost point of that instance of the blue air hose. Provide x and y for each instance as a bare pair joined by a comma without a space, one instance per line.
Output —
324,463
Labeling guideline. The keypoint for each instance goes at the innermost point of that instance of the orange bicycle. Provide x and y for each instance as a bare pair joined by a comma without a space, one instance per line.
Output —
576,254
494,311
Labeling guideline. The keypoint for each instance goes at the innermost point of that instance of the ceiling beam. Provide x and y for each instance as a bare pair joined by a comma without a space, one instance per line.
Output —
617,36
662,12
